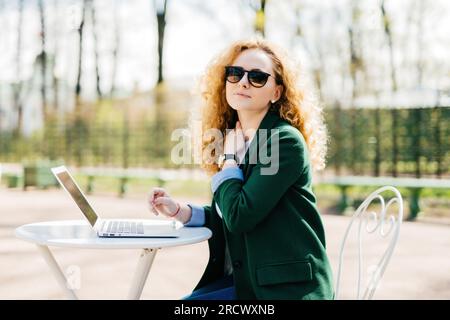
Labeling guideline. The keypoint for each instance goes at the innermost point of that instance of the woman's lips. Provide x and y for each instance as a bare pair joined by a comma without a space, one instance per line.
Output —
242,95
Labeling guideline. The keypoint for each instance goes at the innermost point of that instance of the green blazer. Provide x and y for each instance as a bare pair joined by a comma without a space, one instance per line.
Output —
271,224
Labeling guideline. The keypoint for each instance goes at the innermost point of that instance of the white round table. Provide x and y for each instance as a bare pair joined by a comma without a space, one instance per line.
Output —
79,234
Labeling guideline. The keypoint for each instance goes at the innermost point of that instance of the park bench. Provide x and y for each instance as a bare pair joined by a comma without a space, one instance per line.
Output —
39,175
32,173
162,176
414,185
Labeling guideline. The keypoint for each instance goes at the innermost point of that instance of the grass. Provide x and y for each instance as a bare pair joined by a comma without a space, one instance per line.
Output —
434,202
184,188
359,191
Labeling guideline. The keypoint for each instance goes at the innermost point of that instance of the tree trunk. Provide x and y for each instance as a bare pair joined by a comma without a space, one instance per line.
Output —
17,88
355,66
417,121
55,81
317,71
394,113
77,127
80,59
377,160
115,51
438,135
2,5
420,67
338,138
42,58
420,44
94,31
1,107
260,19
161,18
378,139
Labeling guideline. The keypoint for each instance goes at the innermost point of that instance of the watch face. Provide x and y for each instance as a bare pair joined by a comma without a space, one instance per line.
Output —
229,156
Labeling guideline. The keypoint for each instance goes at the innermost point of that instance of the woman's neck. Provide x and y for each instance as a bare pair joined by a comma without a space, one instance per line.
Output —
250,120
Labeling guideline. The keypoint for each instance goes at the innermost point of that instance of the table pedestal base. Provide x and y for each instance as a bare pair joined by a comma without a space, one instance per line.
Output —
137,285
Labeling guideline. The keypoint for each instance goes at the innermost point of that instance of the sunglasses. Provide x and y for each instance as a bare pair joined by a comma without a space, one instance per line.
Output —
255,77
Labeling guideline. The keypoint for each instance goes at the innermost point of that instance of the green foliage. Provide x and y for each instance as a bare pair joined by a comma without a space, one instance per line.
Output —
119,134
422,137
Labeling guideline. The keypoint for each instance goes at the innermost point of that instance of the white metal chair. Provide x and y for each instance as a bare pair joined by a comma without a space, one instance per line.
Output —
379,222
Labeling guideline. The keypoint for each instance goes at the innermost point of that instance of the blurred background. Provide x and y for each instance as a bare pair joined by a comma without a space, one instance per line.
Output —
100,86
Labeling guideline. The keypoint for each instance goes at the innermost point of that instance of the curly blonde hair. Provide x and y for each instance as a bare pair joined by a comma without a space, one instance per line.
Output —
297,106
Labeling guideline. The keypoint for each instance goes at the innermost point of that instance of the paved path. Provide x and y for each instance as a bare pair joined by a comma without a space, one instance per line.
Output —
419,269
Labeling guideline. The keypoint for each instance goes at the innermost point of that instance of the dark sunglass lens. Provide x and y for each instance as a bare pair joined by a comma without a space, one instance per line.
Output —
257,78
234,74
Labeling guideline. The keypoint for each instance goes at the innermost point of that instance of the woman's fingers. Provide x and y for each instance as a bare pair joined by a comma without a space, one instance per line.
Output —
154,194
241,132
152,209
240,138
151,206
160,192
162,200
165,205
157,192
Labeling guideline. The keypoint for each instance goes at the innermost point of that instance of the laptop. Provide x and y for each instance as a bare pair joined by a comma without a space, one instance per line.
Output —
115,228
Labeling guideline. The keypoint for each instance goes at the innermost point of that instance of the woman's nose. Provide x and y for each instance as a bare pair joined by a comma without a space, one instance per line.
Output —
244,81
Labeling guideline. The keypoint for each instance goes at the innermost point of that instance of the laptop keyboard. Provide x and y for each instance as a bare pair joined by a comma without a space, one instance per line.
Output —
125,227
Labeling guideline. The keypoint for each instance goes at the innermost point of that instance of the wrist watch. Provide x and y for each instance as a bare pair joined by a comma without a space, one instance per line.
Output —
227,156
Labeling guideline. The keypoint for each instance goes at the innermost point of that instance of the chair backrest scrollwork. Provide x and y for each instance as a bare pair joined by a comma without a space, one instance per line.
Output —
373,222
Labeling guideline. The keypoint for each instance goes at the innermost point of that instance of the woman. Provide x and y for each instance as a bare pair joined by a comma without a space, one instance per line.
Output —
268,239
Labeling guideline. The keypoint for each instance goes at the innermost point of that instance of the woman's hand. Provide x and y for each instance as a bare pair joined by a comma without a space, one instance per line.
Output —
234,140
160,202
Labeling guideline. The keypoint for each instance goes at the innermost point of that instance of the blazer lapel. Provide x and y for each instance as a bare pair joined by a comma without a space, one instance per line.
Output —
267,123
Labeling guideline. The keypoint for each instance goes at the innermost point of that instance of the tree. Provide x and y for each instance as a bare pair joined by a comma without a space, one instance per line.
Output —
79,125
312,47
56,50
80,57
116,23
260,18
1,84
17,86
92,11
42,60
388,33
161,9
420,70
356,65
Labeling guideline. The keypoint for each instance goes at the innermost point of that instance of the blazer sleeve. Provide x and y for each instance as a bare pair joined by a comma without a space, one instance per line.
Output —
207,210
245,204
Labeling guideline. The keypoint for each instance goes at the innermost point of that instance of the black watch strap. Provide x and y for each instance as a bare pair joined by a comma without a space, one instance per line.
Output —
228,156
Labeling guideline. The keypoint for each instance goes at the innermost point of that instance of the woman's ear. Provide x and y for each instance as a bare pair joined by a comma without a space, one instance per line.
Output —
277,94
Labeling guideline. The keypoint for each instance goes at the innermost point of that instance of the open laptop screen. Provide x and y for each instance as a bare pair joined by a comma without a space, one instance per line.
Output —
72,188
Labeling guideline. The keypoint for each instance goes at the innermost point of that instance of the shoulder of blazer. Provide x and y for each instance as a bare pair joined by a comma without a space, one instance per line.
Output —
289,132
273,121
292,143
